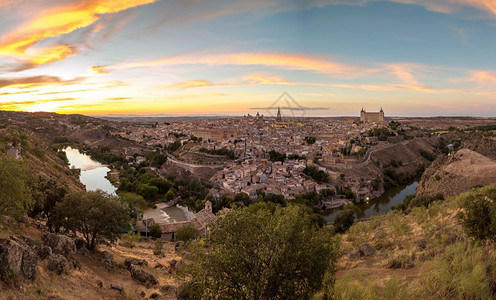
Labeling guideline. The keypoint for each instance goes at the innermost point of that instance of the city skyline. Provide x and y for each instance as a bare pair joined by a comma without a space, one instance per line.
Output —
151,57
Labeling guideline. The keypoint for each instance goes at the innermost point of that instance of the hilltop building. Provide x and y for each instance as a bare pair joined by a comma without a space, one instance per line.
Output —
370,117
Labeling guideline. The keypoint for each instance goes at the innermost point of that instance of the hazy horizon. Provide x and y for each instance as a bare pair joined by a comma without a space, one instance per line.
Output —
220,57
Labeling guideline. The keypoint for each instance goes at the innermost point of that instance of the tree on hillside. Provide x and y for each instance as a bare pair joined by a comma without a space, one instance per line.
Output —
15,197
96,215
343,220
259,252
47,193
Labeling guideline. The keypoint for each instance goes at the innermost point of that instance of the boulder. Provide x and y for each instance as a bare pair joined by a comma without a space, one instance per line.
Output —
366,249
58,264
60,244
134,261
185,254
178,245
116,287
108,261
15,255
172,262
354,254
140,275
159,266
169,289
44,252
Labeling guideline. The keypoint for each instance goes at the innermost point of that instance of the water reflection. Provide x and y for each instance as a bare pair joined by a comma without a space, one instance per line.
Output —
168,214
380,205
92,172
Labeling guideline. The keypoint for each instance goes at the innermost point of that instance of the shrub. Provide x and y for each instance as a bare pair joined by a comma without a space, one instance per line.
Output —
155,231
186,233
343,220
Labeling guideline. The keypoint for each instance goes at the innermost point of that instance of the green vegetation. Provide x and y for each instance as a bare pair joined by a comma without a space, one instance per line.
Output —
223,151
186,233
296,156
343,220
382,133
316,174
47,193
276,156
155,231
15,196
96,215
479,217
310,140
261,252
448,245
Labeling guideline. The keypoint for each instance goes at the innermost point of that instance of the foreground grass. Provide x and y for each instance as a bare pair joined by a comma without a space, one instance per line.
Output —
422,255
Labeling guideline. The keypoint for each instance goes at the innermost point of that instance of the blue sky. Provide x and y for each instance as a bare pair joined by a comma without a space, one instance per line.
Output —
411,57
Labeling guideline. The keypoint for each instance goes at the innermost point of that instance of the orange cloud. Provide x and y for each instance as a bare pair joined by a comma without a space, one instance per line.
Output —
394,87
262,79
191,84
54,22
484,76
99,69
25,82
278,60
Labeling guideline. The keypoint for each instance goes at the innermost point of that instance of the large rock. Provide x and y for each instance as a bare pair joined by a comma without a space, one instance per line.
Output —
366,249
80,243
457,173
142,276
15,255
108,261
134,261
58,264
43,252
60,244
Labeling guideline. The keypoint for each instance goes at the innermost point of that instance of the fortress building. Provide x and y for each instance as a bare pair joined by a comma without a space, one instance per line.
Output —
370,117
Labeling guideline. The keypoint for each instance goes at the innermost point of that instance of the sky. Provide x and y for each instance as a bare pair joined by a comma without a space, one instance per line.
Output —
229,57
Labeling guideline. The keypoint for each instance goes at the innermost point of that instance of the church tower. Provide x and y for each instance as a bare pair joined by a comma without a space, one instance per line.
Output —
279,117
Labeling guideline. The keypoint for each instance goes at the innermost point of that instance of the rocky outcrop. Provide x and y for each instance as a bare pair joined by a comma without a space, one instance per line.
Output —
58,264
108,261
366,250
140,275
457,173
17,256
60,244
134,261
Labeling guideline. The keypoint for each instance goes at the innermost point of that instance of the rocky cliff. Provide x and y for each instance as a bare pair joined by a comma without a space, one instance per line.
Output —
457,173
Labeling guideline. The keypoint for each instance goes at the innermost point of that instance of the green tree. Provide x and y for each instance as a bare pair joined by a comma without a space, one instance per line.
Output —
171,194
479,217
262,253
47,193
155,231
343,220
96,215
15,197
186,233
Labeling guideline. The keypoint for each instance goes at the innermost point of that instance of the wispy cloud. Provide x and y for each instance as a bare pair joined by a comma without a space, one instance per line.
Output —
25,82
53,22
283,61
300,108
190,84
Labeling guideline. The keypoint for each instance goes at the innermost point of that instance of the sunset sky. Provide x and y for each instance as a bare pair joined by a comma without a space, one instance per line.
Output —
227,57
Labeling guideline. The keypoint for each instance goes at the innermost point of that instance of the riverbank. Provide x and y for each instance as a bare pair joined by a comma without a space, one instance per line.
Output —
380,205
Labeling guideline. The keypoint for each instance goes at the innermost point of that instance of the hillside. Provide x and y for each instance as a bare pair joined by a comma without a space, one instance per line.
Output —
421,255
90,275
457,173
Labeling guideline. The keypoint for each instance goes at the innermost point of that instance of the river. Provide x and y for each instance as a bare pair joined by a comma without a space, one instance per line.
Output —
380,205
92,172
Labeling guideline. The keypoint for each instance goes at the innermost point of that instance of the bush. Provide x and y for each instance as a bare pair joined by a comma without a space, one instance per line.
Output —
259,252
186,233
155,231
343,220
